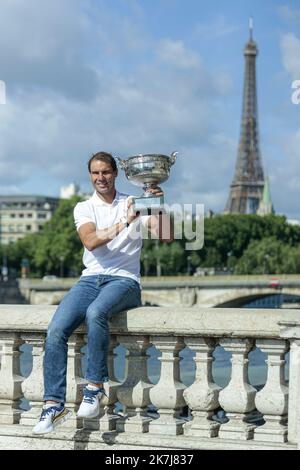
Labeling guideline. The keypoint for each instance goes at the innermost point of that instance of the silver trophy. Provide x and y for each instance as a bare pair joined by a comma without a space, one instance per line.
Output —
148,171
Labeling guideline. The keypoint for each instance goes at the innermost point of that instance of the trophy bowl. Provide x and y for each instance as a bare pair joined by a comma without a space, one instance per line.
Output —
148,171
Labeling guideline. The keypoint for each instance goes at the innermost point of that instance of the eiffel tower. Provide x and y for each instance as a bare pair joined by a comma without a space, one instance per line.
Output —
246,190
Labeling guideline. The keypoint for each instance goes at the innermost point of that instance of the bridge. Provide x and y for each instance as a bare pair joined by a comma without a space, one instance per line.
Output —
221,291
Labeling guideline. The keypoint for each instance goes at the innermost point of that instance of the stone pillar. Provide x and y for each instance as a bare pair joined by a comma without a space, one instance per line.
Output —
272,400
167,394
33,385
187,296
294,393
75,380
10,378
134,391
106,421
31,297
202,395
237,399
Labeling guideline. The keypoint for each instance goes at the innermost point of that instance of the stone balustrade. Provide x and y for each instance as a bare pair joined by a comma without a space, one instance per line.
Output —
166,414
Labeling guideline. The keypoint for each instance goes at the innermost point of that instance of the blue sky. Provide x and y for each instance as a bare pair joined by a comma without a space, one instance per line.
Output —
141,76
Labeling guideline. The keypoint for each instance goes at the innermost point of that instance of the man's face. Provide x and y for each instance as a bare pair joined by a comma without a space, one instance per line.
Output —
103,177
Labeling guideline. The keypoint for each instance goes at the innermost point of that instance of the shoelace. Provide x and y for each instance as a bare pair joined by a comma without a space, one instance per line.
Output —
46,412
90,400
90,396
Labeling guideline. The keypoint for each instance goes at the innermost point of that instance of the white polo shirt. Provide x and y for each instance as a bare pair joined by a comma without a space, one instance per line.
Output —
119,257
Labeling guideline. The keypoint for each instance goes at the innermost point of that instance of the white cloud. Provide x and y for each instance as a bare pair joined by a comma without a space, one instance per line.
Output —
217,29
175,53
73,88
289,14
43,45
290,49
154,110
82,76
285,179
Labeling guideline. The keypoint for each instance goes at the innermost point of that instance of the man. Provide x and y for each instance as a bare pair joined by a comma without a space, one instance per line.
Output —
110,231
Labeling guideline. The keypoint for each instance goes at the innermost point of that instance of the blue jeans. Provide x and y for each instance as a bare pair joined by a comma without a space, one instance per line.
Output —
93,299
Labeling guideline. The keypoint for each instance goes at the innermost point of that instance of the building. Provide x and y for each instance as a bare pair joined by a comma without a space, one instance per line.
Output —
265,206
70,190
73,189
22,215
247,188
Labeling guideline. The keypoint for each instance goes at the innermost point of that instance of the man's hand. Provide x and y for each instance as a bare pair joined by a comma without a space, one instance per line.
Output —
131,214
155,191
161,225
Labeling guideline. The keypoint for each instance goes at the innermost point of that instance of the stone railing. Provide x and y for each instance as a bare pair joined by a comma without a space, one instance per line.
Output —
265,417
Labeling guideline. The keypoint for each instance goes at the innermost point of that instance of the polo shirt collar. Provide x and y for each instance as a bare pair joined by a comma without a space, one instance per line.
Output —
97,201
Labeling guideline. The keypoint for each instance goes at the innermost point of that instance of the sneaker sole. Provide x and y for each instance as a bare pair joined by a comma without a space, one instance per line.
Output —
88,417
95,415
60,420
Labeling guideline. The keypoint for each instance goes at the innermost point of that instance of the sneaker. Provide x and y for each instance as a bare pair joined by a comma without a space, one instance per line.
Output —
50,418
89,407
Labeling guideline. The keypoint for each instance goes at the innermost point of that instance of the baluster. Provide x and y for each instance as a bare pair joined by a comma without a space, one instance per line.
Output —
75,379
237,398
10,378
134,391
294,393
202,395
106,421
33,385
272,400
167,394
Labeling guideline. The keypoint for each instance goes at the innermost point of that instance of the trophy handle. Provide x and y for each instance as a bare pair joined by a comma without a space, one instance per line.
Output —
121,163
173,157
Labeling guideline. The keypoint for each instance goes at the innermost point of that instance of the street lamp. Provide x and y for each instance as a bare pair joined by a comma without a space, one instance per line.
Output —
146,264
158,265
266,265
4,270
229,254
24,268
61,267
188,269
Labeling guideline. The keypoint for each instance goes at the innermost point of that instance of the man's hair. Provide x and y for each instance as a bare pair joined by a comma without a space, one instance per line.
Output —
103,157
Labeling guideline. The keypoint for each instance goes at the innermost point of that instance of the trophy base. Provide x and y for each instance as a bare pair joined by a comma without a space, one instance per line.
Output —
149,205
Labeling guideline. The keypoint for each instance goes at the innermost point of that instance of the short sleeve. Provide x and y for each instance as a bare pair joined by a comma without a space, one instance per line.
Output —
82,214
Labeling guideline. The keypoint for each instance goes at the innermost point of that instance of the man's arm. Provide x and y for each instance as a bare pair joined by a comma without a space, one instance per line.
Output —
92,237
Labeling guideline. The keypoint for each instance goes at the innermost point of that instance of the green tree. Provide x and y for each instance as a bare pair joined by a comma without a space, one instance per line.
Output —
228,236
171,257
24,248
244,244
269,256
59,244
